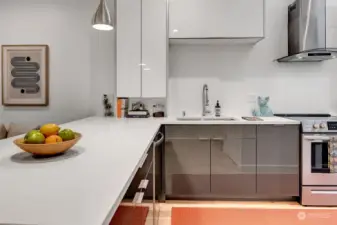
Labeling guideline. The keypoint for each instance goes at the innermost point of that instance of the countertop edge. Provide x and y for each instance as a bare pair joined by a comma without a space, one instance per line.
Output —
115,206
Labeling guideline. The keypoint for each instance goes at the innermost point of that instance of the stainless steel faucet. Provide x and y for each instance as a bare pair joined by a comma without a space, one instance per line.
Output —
205,101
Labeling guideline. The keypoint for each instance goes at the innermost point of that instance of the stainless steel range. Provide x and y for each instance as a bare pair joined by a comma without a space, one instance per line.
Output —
318,159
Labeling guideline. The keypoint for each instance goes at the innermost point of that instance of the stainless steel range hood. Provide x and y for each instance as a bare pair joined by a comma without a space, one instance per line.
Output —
307,32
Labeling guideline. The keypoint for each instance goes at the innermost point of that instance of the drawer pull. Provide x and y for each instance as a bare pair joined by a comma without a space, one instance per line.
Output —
138,198
143,184
218,139
142,161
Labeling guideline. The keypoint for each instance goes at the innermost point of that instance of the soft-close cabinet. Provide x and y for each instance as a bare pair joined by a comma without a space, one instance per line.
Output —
141,48
233,161
216,19
187,162
278,160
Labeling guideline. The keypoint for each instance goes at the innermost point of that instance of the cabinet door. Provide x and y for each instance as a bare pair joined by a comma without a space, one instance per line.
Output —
154,48
216,18
278,160
128,48
233,162
187,165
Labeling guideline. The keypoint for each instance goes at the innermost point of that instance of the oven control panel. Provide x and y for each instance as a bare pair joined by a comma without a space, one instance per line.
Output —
319,126
332,125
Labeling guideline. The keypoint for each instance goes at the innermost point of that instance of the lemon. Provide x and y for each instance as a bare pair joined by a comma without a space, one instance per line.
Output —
49,129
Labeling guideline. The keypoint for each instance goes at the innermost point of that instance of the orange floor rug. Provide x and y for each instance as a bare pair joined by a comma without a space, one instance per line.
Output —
129,215
247,216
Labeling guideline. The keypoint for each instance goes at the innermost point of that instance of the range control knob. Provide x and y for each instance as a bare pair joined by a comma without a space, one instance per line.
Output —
315,126
322,125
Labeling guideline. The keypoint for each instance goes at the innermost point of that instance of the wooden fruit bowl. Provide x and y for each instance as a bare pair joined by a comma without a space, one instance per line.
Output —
47,149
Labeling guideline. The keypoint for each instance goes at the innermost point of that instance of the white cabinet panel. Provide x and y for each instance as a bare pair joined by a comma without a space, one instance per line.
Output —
154,48
128,48
216,18
141,48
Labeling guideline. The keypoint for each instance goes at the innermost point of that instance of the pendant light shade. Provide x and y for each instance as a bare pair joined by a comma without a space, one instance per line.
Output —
102,19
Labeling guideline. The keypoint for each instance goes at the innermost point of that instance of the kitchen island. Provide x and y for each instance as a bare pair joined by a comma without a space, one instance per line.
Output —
86,185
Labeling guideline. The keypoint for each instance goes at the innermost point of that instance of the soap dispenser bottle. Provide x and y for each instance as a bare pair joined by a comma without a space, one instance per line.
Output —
217,109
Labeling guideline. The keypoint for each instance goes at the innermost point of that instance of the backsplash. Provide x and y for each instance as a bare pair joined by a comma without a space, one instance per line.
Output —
148,103
236,75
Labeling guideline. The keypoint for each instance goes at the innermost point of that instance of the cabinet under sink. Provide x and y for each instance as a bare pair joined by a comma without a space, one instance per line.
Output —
231,161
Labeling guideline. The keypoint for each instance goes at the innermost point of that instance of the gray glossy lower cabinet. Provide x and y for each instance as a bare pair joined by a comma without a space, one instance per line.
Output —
187,167
226,161
233,174
278,160
233,161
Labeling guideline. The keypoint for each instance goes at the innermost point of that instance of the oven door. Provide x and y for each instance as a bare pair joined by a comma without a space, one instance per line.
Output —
319,160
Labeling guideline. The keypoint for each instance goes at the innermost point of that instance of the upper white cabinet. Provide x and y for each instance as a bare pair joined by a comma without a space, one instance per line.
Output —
227,19
128,48
154,50
141,48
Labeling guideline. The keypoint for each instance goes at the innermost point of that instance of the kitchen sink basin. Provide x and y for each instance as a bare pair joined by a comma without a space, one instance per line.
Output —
206,118
220,118
189,118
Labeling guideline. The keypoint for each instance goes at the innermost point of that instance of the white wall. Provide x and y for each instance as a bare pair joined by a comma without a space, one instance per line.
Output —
236,73
103,70
65,25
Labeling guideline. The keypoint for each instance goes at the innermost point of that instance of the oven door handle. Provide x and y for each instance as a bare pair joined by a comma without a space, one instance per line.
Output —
317,138
324,192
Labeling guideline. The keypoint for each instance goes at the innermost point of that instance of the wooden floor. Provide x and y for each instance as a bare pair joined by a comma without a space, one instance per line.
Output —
166,208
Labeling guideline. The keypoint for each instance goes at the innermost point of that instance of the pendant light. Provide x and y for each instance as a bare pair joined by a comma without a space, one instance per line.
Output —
102,19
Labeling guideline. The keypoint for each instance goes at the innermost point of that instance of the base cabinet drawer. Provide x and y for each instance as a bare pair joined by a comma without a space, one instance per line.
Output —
319,196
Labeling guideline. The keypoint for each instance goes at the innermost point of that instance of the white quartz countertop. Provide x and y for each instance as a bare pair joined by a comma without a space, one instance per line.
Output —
238,121
82,188
86,185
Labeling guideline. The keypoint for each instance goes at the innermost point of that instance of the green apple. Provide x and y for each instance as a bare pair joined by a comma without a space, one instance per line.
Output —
34,137
67,134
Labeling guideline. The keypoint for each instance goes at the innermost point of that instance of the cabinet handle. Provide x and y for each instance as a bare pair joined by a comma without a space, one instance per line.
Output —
218,139
204,139
317,138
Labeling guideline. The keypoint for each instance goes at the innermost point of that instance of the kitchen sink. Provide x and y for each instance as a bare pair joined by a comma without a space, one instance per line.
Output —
206,118
186,118
220,118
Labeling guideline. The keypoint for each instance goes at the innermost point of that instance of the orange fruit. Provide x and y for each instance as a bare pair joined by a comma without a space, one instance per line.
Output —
53,139
49,129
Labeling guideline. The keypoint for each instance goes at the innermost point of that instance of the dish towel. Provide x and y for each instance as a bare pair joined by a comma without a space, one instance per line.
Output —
333,155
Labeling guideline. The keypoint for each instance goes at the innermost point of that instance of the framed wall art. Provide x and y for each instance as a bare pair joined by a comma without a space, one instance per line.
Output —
25,80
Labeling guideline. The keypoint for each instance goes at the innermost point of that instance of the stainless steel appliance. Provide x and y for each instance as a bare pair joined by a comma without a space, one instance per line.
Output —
307,32
318,159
